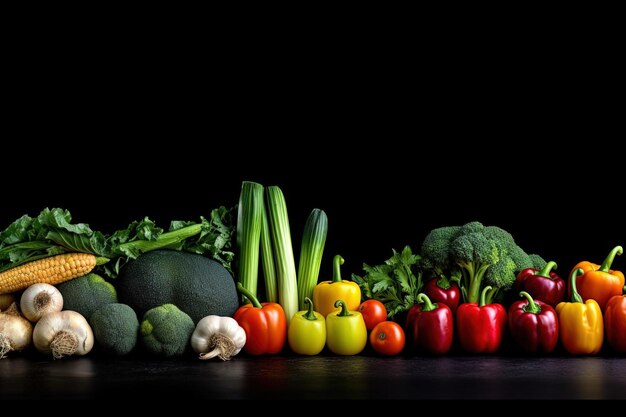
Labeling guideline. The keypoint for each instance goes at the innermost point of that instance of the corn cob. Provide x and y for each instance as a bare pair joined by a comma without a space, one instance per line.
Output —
52,270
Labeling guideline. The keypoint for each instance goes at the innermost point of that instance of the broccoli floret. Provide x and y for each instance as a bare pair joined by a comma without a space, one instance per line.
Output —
479,251
166,330
435,248
499,234
474,248
115,327
520,258
471,227
499,274
537,261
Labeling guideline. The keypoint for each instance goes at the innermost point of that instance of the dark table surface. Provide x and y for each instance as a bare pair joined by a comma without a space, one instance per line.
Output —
321,377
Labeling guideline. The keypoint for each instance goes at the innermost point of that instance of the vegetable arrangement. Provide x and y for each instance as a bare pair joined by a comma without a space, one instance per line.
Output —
168,293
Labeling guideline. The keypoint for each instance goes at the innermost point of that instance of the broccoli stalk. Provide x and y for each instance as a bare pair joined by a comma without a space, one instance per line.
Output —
473,273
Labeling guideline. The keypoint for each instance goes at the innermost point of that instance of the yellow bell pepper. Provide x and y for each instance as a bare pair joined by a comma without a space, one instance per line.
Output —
307,331
345,331
327,292
581,326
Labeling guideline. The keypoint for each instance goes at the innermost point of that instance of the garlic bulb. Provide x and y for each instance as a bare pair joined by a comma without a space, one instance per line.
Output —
63,333
218,336
40,299
15,331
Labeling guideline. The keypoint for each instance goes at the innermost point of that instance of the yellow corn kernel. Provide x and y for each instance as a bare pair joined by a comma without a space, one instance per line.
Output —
53,270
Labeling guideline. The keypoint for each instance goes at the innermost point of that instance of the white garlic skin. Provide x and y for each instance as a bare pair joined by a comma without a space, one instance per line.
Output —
39,300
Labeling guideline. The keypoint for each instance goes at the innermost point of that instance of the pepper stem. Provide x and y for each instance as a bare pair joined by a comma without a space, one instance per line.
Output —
484,294
531,307
344,308
248,295
576,298
606,265
545,272
337,262
310,314
427,304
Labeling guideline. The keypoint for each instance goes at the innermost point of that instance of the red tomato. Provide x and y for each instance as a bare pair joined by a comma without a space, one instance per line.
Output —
373,312
387,338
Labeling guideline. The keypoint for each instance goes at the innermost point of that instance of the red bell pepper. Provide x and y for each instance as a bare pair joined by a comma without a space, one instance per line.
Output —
544,285
442,290
615,323
265,325
431,326
481,326
534,325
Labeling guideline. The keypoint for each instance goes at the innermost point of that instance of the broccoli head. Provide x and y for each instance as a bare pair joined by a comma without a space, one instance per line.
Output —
115,327
166,331
479,251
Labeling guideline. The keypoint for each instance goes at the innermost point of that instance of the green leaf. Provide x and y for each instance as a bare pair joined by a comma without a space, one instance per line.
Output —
94,244
408,258
147,230
61,219
5,252
17,232
55,250
382,285
178,224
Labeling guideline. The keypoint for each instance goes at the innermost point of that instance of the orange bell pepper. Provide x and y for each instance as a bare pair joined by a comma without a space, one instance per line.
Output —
265,325
599,282
580,324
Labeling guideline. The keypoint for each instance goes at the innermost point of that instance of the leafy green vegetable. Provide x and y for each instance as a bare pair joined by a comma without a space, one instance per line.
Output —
396,283
52,232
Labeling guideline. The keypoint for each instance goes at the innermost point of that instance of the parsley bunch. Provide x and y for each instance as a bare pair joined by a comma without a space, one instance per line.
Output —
396,283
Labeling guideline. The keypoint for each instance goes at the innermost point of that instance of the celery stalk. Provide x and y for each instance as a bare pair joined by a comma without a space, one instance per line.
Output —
313,241
267,260
249,222
283,251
